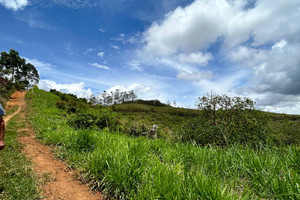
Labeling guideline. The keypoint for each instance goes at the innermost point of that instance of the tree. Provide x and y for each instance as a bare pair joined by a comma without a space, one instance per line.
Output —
104,97
226,120
28,75
132,95
16,68
169,103
116,96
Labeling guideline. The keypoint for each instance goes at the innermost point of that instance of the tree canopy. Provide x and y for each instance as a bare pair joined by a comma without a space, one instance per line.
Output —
15,68
226,120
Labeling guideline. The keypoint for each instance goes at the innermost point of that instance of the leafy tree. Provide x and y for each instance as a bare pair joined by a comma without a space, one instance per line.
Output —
226,120
116,96
16,68
104,97
132,95
9,63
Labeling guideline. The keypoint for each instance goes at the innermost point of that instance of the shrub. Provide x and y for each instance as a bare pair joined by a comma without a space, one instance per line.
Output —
137,129
104,120
83,121
226,121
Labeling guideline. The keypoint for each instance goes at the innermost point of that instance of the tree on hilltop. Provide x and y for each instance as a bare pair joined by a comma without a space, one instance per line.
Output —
15,68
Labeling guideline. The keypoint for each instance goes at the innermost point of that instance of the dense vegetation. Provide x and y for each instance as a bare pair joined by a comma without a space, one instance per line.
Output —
142,168
226,121
15,74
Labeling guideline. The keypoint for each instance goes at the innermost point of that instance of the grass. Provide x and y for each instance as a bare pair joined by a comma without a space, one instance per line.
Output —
140,168
167,118
11,110
17,180
284,128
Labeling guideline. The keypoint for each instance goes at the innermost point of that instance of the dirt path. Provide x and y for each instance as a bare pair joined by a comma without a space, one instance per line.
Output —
57,180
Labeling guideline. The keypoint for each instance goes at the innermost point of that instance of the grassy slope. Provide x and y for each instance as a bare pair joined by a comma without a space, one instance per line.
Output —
167,118
286,128
17,180
141,168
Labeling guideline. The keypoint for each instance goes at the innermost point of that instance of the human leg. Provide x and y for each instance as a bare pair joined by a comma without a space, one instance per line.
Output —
2,130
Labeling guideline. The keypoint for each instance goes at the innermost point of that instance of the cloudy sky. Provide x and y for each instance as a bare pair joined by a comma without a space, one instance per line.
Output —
163,49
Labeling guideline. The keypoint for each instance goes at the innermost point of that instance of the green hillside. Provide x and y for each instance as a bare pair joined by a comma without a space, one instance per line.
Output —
285,128
127,167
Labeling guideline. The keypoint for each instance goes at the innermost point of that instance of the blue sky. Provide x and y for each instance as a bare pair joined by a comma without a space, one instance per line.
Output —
163,49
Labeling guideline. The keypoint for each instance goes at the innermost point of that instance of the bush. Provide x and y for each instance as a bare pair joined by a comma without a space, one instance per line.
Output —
137,129
104,120
83,121
226,121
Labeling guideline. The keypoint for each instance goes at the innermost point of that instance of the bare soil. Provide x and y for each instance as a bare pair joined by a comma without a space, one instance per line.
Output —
56,180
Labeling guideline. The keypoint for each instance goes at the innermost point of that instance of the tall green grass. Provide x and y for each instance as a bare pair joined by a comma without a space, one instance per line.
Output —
140,168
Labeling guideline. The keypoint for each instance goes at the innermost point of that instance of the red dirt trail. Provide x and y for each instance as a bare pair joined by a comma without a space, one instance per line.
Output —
57,181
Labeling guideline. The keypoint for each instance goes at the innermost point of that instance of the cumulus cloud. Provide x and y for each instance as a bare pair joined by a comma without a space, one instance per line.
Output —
143,91
278,103
77,89
15,5
136,87
203,23
99,66
279,71
187,29
263,37
195,58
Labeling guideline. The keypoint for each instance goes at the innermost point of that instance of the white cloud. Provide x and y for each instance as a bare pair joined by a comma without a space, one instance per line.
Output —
99,66
42,67
15,5
89,50
35,23
135,65
101,54
187,29
204,22
194,76
115,47
195,58
281,44
142,91
137,38
120,38
102,30
74,4
69,50
74,88
262,39
136,87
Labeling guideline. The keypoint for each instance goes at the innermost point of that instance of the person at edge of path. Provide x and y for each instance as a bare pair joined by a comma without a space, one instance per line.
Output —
2,127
